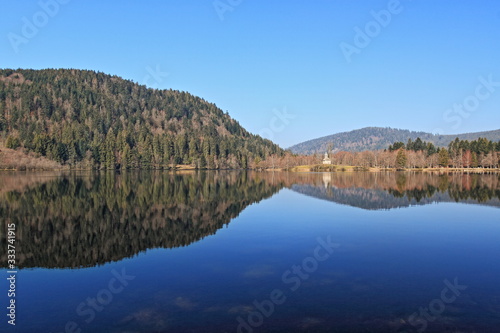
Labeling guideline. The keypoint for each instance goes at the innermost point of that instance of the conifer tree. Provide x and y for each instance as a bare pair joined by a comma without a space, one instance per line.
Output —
110,161
444,158
401,159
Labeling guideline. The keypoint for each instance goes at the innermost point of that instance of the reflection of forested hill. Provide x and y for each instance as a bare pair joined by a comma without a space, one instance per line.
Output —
86,220
75,221
393,190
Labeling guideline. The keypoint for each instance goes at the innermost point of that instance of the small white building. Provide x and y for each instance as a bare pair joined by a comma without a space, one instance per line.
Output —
326,159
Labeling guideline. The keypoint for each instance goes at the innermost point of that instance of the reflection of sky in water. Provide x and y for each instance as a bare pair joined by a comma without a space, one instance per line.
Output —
389,264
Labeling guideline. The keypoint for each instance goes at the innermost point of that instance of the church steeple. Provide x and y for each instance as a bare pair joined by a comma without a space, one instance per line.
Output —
326,159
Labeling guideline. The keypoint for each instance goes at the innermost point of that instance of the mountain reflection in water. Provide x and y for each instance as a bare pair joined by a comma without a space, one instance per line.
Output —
83,220
397,189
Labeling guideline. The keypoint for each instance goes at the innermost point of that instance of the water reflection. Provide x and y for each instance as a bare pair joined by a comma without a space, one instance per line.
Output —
70,221
396,190
75,221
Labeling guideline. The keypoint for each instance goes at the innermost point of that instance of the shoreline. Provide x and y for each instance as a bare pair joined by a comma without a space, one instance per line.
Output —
296,169
351,168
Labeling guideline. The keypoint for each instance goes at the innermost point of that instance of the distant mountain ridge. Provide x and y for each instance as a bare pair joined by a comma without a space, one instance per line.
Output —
375,138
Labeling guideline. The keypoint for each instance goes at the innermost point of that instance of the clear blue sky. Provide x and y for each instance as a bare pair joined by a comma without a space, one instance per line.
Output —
268,56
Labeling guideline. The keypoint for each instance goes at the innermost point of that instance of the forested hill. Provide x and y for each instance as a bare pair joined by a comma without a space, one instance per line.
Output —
375,138
90,119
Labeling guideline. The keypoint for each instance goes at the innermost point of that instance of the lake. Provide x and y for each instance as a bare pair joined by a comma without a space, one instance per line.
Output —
252,252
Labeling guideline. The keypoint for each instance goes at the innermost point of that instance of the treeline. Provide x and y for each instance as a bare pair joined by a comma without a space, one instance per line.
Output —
416,153
459,154
92,120
417,145
477,153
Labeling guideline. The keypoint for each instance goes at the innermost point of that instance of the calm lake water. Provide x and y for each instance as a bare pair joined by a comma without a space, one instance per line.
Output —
252,252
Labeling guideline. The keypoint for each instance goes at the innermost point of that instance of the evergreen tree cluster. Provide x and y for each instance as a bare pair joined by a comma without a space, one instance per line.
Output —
79,117
460,153
479,146
417,145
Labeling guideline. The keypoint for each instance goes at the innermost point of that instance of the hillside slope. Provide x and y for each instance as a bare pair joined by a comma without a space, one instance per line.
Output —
375,138
90,119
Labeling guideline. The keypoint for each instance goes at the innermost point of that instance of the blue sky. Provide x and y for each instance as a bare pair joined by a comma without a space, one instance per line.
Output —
289,70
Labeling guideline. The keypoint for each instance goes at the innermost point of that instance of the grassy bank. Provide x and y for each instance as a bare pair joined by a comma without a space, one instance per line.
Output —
327,168
351,168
